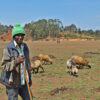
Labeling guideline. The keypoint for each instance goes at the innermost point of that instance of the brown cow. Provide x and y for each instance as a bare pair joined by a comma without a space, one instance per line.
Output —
80,61
45,58
35,65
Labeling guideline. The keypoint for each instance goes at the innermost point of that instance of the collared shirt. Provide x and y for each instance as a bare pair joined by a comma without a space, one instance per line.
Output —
21,52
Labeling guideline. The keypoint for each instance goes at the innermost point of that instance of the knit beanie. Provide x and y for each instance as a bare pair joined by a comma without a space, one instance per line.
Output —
17,30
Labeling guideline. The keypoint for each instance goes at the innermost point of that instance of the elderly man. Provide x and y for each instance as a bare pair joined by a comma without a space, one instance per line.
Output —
15,55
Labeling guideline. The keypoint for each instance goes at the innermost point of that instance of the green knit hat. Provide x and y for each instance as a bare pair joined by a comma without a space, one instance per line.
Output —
17,30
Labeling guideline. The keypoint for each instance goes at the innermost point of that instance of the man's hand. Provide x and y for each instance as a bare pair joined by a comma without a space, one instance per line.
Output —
20,59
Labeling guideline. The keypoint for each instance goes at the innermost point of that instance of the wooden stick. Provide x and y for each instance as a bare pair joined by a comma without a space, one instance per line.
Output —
27,82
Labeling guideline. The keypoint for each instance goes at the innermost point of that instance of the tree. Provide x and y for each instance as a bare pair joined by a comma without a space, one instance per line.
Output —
70,28
54,27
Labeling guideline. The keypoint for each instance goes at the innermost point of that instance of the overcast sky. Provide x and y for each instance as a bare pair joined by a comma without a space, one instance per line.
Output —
83,13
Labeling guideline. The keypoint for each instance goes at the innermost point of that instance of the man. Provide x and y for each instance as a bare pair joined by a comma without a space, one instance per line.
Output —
15,55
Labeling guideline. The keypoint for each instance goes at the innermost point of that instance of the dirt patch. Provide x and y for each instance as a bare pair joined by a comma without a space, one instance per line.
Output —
95,90
58,90
90,54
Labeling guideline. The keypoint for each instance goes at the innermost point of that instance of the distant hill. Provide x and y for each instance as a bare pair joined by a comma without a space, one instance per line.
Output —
7,36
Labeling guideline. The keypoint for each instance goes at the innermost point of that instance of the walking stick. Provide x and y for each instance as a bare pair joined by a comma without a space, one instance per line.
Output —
27,82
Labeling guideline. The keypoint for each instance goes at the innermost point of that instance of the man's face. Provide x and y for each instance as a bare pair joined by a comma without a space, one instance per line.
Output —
19,38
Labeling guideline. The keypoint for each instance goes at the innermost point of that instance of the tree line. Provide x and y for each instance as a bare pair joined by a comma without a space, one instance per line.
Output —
52,28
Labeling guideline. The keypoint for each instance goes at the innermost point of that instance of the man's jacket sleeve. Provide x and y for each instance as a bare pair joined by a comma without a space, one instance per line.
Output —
8,62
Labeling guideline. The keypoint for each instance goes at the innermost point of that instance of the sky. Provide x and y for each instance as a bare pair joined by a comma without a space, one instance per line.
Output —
85,14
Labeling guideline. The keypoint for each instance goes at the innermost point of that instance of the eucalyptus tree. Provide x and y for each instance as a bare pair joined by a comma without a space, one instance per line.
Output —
38,29
4,28
70,28
97,33
54,27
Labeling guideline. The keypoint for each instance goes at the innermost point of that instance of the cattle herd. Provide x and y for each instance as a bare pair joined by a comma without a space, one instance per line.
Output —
73,64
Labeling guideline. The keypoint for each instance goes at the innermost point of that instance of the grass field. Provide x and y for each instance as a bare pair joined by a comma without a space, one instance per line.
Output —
55,83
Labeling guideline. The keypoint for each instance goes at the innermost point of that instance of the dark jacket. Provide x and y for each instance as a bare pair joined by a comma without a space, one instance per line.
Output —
9,64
